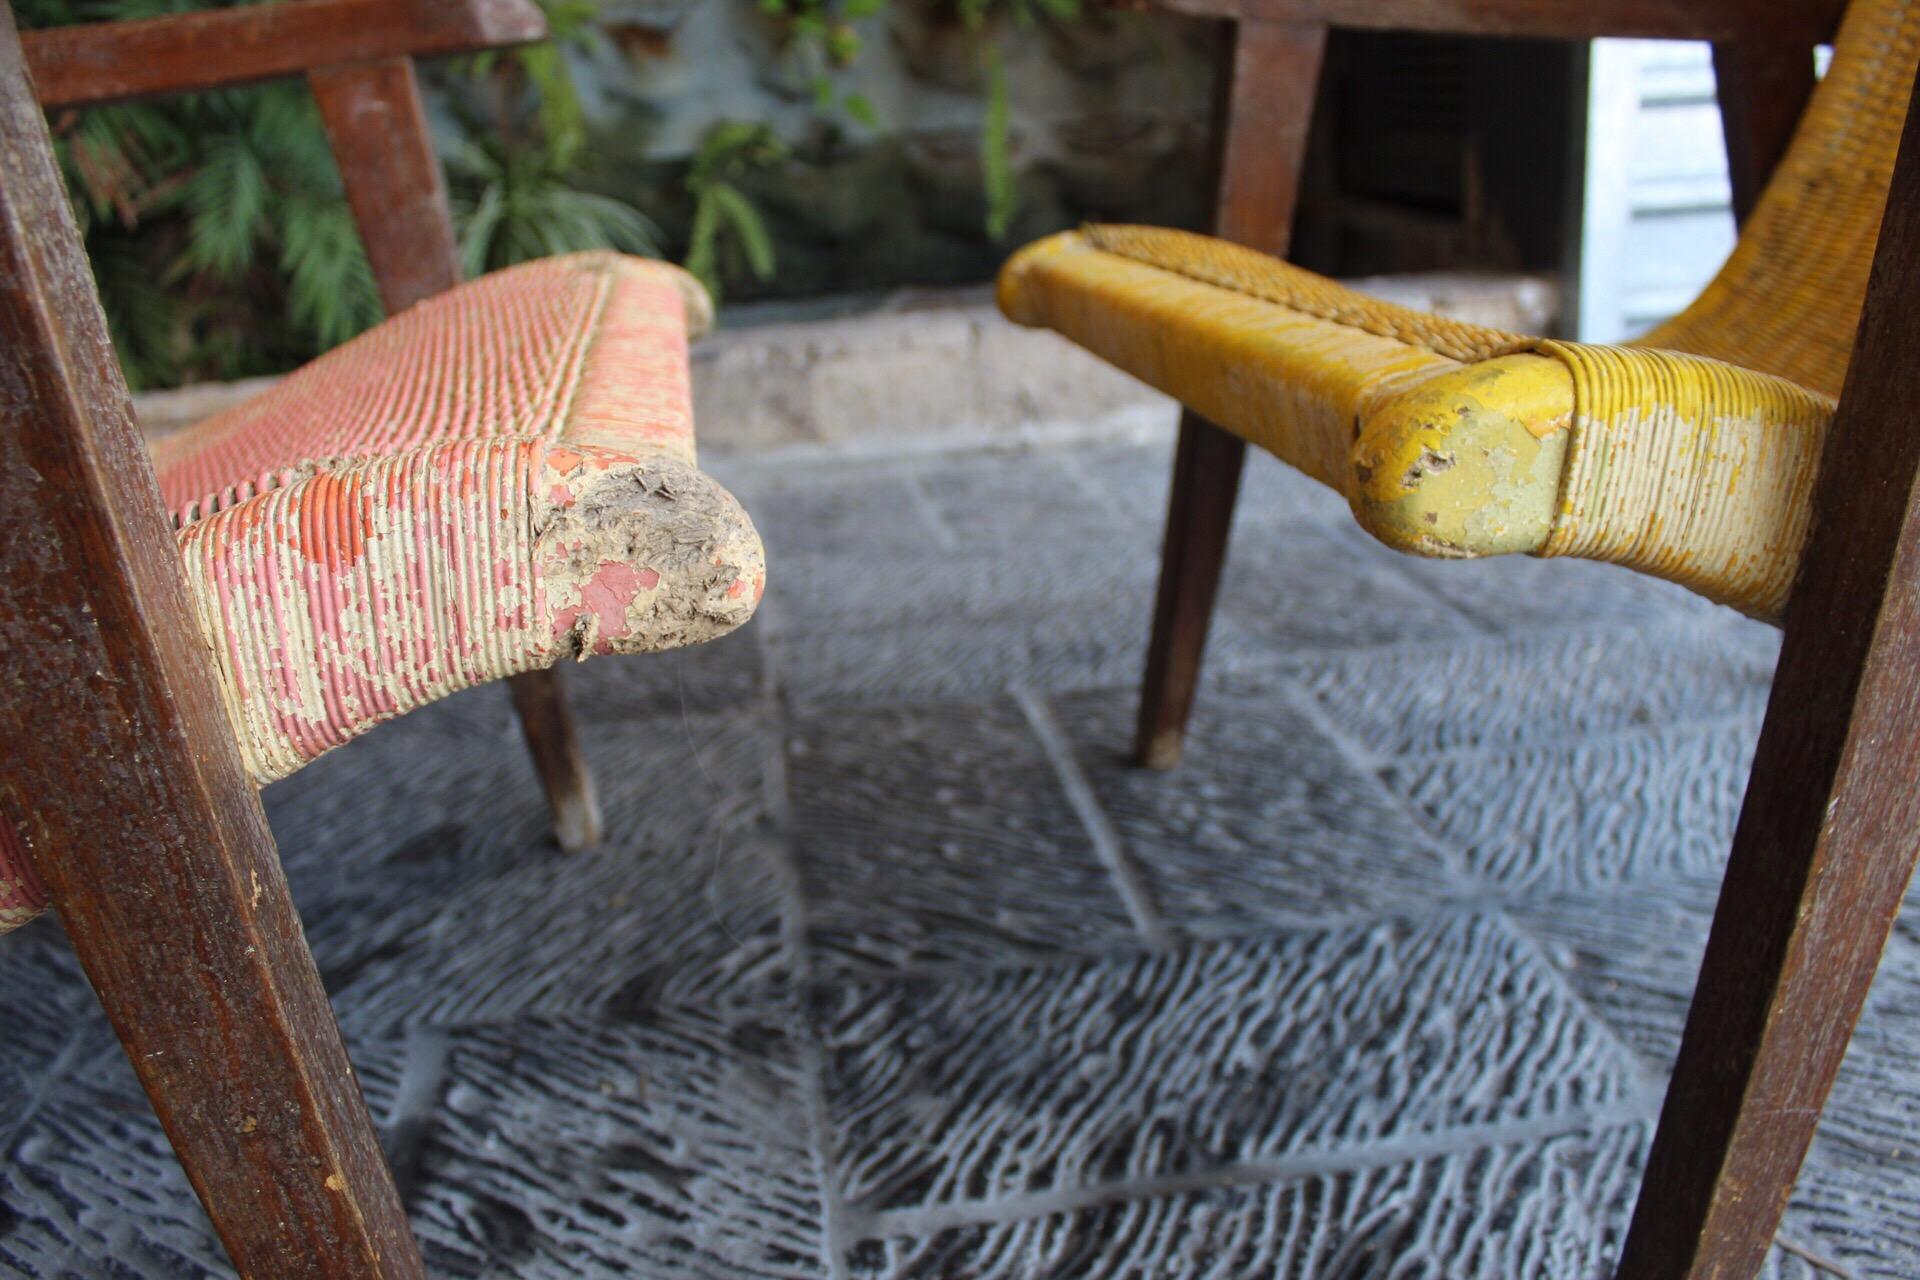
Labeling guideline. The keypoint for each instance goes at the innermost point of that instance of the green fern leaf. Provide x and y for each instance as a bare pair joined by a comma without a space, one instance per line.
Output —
226,200
996,160
747,226
331,292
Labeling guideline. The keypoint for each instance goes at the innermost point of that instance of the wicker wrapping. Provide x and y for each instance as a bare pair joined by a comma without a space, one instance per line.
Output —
497,479
1788,300
1258,275
1689,469
1290,381
1689,455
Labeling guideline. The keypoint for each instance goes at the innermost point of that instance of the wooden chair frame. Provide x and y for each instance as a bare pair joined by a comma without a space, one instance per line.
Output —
1828,835
133,804
357,56
123,779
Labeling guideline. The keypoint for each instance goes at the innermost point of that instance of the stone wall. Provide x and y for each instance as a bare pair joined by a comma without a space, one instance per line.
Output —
1108,121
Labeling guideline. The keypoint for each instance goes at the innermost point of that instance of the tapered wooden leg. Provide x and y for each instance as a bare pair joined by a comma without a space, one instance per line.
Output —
557,758
378,130
1829,831
1268,75
124,784
200,963
1206,481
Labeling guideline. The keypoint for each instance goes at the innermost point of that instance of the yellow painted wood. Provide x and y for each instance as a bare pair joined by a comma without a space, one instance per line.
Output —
1469,463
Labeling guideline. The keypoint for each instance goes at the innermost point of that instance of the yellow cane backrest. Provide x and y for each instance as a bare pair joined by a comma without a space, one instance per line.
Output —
1788,299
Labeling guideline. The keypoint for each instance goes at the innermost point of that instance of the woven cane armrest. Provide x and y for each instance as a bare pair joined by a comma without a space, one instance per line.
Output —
500,478
1448,439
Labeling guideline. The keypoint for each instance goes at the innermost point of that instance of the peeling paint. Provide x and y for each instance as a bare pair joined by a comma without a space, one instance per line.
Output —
1450,440
494,480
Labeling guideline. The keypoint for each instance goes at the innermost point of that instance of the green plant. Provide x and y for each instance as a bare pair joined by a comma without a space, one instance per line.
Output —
229,205
821,33
996,145
218,229
525,95
513,202
1025,13
728,233
523,131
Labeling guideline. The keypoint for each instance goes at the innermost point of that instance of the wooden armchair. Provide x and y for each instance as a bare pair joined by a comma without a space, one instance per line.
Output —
358,61
1751,449
496,478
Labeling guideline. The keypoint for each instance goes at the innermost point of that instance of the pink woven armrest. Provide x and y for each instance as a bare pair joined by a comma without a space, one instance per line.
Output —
592,347
497,479
360,593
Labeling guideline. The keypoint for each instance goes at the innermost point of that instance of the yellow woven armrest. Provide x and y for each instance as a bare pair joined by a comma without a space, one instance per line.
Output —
1449,439
1678,466
1288,380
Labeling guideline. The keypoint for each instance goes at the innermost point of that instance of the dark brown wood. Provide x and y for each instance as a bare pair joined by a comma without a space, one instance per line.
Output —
125,784
1802,22
1207,462
1268,76
378,130
540,700
105,62
377,127
1763,89
1263,118
1830,827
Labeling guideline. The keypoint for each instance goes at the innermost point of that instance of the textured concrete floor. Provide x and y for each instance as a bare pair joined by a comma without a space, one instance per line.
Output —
891,968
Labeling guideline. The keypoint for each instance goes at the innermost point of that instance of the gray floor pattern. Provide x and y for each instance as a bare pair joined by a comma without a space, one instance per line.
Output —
892,968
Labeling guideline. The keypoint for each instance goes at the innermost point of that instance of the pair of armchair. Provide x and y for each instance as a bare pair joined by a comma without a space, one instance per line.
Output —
503,477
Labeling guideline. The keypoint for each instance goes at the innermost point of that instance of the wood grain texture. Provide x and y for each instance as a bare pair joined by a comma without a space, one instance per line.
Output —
1830,827
107,62
1763,90
1268,113
540,701
125,784
378,130
377,127
1802,22
1268,77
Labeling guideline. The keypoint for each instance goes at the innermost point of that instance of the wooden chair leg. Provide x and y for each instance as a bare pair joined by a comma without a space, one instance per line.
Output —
378,130
1829,831
1268,75
203,970
541,702
1206,482
125,786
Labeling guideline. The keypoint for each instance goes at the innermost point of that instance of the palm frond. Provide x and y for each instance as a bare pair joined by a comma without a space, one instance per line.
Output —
226,202
330,286
513,204
143,316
